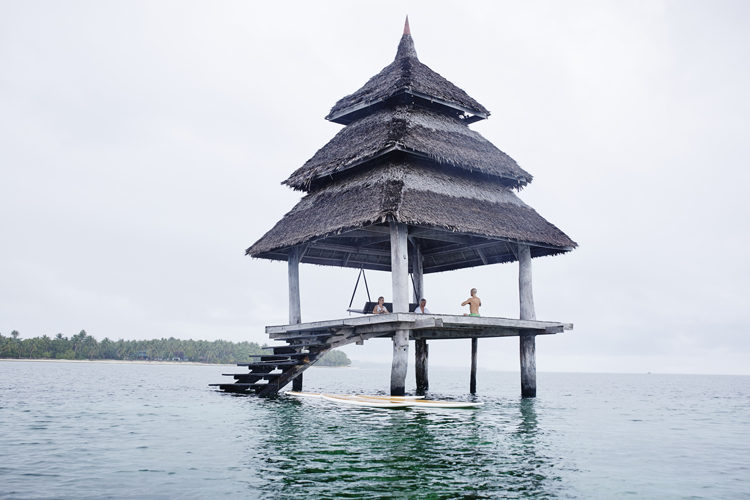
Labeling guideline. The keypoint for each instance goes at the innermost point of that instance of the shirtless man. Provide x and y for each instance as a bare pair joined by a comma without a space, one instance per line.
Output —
473,302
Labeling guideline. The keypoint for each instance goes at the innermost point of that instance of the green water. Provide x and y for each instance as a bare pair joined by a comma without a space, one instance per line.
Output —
96,430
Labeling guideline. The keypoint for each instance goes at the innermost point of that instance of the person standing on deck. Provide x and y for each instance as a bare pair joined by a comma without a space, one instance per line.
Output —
474,303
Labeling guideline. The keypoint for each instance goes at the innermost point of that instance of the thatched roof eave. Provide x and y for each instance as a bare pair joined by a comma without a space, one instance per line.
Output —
512,182
346,116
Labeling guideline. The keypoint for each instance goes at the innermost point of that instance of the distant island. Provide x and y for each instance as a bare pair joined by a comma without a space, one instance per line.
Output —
84,346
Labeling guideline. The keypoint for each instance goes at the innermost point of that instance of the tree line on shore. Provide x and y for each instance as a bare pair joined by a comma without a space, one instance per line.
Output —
84,346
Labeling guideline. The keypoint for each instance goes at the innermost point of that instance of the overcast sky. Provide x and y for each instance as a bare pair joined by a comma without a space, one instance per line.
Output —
142,146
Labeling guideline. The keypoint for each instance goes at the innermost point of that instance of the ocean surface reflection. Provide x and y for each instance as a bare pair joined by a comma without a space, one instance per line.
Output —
100,430
493,452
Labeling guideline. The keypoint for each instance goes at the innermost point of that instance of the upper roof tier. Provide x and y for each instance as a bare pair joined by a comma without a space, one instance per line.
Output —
407,80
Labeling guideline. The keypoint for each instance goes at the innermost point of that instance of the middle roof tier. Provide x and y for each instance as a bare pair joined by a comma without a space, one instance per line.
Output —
411,130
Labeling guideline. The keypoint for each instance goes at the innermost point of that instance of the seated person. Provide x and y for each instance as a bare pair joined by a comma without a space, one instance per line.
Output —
422,307
379,307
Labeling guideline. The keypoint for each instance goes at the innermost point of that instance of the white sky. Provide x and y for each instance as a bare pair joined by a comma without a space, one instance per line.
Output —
142,145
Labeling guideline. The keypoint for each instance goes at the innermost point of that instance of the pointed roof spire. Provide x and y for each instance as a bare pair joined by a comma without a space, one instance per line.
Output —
406,46
406,75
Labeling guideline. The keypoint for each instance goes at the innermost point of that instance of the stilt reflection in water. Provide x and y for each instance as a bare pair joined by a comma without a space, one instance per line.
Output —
316,449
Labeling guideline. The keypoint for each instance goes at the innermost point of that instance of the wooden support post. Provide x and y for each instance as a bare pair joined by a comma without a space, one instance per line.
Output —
400,285
417,273
297,383
295,312
528,366
421,351
473,378
527,341
421,355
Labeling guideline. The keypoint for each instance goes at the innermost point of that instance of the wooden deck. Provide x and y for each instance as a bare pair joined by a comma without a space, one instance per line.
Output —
420,326
305,343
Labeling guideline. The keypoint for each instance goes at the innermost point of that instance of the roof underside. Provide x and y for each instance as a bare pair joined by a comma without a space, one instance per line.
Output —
414,130
407,76
368,247
457,221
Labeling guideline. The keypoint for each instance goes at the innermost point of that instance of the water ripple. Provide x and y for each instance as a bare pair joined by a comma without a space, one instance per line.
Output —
97,430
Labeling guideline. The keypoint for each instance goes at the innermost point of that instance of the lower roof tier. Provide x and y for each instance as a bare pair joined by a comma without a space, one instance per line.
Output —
457,222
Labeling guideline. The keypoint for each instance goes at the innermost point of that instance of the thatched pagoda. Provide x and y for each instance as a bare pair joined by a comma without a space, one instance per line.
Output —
407,187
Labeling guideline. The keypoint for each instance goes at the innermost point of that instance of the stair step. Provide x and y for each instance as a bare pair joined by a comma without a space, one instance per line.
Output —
230,387
284,349
252,374
271,364
271,357
309,345
304,337
241,386
257,375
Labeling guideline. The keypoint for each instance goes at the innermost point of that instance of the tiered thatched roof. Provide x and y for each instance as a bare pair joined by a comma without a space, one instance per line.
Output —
407,155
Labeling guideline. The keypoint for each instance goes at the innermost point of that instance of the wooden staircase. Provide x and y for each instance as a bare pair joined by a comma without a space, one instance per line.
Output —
308,342
271,372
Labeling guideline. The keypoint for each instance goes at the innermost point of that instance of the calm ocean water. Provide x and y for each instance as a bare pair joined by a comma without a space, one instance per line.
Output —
100,430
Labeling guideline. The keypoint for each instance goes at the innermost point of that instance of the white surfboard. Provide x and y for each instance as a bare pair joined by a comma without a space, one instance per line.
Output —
374,401
298,394
319,395
365,402
392,398
427,403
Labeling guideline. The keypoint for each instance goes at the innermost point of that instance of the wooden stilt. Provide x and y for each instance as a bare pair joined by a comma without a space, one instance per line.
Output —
417,273
527,341
528,366
421,351
297,383
295,312
399,364
421,356
473,379
400,285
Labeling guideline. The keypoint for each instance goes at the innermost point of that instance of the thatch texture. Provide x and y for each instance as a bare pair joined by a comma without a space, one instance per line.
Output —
405,75
407,155
518,222
415,130
328,212
418,195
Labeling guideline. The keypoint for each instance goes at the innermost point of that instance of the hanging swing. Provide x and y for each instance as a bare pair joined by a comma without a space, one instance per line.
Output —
370,305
